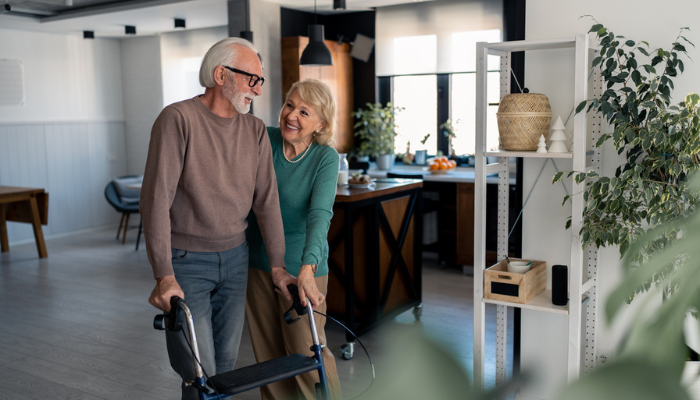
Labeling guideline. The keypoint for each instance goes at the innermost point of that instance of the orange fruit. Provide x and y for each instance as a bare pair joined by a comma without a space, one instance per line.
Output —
452,163
434,166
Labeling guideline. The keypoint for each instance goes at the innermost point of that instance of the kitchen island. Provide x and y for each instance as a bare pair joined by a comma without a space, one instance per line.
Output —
449,209
375,254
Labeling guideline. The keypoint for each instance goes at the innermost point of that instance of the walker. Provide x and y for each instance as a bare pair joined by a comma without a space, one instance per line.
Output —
254,376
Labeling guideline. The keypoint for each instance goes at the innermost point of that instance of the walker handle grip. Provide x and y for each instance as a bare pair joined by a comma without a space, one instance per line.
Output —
296,305
168,321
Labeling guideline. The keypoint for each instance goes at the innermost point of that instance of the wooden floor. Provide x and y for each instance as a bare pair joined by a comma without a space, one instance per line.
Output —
77,325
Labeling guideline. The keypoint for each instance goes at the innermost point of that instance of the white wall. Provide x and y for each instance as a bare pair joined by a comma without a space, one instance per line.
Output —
181,56
66,78
551,73
68,137
267,36
143,96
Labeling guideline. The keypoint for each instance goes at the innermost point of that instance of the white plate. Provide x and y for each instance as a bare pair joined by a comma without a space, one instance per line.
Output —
362,185
438,171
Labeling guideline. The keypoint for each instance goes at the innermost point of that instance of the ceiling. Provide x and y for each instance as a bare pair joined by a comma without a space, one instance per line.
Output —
107,18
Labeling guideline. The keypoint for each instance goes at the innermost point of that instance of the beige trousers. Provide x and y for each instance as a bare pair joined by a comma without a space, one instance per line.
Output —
273,338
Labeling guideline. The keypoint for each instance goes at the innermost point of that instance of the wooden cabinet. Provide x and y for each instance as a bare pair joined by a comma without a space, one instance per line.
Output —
455,223
374,254
465,225
338,76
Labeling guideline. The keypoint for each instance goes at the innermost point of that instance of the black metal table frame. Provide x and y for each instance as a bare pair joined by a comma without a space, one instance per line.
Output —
376,219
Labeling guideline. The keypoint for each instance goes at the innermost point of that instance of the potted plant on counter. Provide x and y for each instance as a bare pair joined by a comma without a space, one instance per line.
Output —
376,129
449,130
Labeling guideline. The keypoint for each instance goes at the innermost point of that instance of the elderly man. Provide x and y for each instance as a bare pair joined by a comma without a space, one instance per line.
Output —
209,163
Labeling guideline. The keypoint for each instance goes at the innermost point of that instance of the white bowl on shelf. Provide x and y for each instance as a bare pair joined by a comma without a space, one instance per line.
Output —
519,267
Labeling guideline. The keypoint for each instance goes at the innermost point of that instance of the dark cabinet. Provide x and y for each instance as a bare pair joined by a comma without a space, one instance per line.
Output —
455,222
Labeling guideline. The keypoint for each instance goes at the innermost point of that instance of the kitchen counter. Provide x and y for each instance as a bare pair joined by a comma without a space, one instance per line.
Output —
375,253
457,175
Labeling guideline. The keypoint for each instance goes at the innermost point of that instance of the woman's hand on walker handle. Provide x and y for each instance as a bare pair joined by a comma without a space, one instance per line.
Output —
166,287
307,287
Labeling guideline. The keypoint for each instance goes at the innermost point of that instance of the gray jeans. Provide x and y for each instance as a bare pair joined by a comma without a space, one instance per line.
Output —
215,290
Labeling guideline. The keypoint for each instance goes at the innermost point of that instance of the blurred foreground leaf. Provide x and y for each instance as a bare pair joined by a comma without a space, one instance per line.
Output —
419,369
627,379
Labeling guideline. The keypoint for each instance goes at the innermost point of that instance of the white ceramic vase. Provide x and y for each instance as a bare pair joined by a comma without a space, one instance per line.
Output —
385,162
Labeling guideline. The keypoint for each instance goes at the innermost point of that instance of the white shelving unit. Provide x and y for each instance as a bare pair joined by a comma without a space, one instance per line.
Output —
580,287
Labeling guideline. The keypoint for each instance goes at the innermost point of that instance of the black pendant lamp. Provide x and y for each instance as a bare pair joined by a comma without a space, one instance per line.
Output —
316,53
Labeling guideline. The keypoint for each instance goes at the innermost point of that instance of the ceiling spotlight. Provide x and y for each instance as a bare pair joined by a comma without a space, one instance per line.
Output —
8,7
339,4
88,34
130,30
180,23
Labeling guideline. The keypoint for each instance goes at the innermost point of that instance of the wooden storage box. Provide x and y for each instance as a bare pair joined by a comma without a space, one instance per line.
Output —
499,284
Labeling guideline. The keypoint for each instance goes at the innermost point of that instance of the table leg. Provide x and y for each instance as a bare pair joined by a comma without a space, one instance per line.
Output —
36,224
138,237
349,273
126,226
4,241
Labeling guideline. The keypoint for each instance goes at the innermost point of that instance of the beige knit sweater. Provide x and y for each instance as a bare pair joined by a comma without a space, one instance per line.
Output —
203,175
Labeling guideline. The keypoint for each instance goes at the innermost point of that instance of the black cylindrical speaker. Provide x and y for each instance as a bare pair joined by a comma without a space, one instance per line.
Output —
560,285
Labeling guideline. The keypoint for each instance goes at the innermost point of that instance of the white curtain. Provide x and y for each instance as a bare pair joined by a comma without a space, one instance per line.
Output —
436,36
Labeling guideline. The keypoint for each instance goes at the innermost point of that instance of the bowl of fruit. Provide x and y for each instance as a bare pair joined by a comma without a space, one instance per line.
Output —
441,165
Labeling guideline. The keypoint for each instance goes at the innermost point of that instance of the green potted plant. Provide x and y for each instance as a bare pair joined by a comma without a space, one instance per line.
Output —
376,129
449,130
649,208
660,143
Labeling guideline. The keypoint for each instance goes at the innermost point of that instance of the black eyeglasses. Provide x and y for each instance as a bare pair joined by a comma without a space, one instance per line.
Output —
254,79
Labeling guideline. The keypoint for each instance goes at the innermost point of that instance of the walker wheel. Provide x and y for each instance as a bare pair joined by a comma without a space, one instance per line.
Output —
418,312
347,351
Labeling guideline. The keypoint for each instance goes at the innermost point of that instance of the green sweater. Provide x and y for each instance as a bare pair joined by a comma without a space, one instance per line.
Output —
307,192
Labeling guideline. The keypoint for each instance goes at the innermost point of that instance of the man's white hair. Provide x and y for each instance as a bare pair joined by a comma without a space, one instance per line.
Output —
221,53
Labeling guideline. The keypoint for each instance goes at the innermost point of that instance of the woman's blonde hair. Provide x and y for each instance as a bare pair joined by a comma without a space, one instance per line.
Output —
319,96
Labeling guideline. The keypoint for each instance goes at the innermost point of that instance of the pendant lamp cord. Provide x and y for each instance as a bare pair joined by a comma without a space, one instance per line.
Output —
315,22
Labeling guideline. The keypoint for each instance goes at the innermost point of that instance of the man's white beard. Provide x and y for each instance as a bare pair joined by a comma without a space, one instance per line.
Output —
236,98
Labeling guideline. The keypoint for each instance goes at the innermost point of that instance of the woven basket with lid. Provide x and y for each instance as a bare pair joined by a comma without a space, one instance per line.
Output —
522,118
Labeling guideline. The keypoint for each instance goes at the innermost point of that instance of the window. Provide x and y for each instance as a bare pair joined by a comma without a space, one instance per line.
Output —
407,60
415,88
464,49
464,109
463,90
418,95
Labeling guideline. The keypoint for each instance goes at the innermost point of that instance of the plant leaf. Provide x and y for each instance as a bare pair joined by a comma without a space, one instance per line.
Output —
557,177
581,106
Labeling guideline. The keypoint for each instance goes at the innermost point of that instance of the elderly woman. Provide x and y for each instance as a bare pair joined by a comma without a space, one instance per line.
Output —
307,173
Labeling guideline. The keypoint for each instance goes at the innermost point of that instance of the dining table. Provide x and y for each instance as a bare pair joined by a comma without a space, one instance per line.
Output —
28,205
